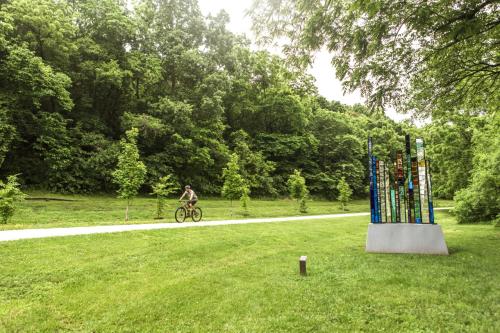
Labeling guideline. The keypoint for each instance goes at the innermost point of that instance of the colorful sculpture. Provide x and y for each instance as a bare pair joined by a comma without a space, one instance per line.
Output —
395,198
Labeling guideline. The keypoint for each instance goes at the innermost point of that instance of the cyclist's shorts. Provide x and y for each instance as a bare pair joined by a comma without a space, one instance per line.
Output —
193,202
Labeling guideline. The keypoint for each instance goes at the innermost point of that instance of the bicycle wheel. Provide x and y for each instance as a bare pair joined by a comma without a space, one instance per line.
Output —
196,214
180,214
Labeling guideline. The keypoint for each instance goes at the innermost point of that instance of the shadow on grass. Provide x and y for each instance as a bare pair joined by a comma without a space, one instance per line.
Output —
455,249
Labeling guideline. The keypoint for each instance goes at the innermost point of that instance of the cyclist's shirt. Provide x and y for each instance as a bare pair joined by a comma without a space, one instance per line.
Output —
195,197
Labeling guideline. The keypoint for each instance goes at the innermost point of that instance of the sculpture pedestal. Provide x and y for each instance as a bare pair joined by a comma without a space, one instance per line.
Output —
405,238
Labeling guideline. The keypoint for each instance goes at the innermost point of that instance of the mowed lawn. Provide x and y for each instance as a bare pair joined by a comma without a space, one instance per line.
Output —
244,278
83,210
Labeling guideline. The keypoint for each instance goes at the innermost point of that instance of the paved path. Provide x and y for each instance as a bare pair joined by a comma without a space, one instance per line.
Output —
10,235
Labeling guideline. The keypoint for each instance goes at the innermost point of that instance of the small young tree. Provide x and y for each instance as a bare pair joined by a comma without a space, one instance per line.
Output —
162,189
10,197
298,189
245,199
130,172
345,192
234,185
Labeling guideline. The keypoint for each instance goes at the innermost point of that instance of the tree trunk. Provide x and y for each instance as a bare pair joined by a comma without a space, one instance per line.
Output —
158,208
126,210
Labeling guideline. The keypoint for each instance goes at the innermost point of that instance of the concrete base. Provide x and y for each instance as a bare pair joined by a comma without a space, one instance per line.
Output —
405,238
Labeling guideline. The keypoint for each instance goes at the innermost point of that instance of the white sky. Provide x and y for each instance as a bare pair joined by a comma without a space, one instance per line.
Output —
322,69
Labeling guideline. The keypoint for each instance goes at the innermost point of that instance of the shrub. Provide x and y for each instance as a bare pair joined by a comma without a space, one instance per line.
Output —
479,202
10,196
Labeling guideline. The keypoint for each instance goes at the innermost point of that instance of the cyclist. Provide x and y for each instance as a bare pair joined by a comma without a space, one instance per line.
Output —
193,198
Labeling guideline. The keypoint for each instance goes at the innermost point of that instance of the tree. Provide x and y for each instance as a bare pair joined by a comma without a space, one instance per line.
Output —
235,185
425,56
7,134
245,199
450,149
479,201
298,189
10,197
288,152
165,186
253,166
340,153
345,192
130,172
57,151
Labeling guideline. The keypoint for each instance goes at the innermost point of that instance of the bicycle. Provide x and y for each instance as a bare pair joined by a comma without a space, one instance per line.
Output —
185,211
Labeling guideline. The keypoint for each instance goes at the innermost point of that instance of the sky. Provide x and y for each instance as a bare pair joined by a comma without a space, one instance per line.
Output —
322,69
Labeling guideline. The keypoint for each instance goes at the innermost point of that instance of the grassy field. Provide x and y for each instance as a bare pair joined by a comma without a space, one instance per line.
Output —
105,210
244,278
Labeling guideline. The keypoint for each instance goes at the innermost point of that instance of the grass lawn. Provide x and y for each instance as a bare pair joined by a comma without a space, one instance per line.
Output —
244,278
106,210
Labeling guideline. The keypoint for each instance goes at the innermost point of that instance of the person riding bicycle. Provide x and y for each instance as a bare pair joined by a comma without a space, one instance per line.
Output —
193,198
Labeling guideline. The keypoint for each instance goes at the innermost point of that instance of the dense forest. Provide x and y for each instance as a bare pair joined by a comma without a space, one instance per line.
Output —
76,74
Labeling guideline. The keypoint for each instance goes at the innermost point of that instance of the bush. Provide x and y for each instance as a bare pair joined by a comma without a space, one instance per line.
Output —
479,202
10,196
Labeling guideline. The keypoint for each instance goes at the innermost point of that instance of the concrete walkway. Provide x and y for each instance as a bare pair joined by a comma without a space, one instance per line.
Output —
10,235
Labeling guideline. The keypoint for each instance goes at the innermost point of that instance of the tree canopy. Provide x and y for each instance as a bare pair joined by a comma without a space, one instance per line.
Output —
76,75
428,57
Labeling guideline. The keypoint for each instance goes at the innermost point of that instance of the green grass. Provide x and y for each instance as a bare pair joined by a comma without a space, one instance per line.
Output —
244,278
106,210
